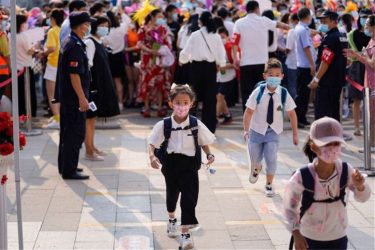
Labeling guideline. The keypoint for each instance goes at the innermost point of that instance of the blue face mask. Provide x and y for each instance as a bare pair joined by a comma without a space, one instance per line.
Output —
273,82
48,22
88,31
368,33
102,31
323,28
175,17
4,25
363,21
160,21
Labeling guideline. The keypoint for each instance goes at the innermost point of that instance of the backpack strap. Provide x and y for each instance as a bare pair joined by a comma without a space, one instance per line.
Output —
260,93
193,122
308,193
284,95
343,182
167,129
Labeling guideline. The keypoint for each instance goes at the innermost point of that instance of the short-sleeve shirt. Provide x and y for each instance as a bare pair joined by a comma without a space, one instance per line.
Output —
53,41
251,35
181,141
303,40
332,48
259,119
291,59
73,61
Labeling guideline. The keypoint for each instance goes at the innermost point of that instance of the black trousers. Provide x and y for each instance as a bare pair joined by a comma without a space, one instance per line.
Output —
250,75
327,103
339,244
181,176
303,93
72,135
203,81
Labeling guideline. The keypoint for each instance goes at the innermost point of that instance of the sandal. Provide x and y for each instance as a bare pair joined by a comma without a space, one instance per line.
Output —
99,152
357,132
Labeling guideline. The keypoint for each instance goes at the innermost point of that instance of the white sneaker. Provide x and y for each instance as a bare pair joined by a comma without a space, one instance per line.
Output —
172,228
186,242
254,175
121,106
268,189
53,124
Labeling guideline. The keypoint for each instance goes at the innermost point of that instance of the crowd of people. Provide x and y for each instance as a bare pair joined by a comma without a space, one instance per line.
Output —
98,58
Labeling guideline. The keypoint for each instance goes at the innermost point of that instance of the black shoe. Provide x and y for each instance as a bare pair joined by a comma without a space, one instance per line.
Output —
301,125
76,176
79,170
227,120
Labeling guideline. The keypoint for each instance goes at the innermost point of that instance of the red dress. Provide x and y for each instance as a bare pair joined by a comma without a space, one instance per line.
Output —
154,79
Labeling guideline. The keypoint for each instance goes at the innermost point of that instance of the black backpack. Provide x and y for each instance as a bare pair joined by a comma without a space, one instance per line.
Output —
161,153
308,193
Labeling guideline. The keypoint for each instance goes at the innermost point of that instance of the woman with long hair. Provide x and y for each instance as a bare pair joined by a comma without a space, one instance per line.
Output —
154,78
102,88
206,51
51,51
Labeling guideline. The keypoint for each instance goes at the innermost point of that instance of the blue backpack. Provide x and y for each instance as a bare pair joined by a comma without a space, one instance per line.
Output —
308,193
262,87
161,153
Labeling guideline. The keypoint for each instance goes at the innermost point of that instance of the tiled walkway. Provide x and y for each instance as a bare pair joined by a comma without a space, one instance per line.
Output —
122,206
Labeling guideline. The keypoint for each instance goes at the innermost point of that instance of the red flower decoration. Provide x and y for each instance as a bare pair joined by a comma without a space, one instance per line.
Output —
4,179
22,140
23,118
6,148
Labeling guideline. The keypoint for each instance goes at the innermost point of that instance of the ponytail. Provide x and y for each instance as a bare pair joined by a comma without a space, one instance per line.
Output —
307,150
208,22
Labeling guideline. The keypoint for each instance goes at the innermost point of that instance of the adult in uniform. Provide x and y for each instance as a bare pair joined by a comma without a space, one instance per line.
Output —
74,77
330,78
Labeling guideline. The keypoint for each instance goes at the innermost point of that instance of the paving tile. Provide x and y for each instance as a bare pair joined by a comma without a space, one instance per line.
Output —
212,239
361,238
244,209
253,244
94,235
55,240
100,245
133,204
134,238
161,239
30,231
247,232
61,222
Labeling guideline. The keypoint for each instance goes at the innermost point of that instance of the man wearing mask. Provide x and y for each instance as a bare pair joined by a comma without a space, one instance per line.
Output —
74,77
305,64
250,35
330,77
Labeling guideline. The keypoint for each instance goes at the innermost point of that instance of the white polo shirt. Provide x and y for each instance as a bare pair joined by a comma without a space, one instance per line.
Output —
258,121
253,38
181,141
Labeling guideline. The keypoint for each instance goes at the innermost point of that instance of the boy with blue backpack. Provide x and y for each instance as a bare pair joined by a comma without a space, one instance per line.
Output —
175,144
263,122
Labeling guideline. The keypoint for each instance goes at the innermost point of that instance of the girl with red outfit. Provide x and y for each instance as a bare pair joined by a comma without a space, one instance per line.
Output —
154,78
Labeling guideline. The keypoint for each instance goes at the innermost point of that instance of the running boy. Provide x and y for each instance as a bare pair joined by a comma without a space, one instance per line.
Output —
182,160
263,122
316,195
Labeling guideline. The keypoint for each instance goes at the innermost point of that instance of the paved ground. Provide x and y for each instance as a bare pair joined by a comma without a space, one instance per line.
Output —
122,206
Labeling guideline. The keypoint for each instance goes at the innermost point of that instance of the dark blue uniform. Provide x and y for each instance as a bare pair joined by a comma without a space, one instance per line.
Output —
72,60
327,102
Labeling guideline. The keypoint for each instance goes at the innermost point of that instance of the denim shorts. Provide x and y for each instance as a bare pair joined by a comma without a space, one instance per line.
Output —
264,146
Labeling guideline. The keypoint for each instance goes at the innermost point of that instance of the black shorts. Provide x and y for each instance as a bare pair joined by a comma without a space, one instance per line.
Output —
117,64
131,58
225,88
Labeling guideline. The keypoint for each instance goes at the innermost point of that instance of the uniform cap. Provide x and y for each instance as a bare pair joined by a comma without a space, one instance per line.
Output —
79,17
328,14
325,131
365,13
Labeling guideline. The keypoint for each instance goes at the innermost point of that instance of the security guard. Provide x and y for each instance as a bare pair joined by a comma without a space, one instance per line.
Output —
74,76
330,78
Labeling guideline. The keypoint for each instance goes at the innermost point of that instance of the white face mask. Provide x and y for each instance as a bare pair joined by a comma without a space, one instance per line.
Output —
330,154
181,110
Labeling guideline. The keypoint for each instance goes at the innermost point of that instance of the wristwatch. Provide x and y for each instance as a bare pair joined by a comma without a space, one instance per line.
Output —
210,155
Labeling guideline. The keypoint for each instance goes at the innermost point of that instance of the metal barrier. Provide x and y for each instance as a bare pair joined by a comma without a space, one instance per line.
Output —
367,133
29,130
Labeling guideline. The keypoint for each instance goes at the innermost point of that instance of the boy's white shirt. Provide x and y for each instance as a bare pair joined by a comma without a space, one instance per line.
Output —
258,121
322,221
181,141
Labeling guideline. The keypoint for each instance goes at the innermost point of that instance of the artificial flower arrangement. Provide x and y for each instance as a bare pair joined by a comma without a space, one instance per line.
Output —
6,141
